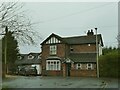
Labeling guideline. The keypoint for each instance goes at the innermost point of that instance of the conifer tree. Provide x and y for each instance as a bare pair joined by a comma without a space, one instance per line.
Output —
11,51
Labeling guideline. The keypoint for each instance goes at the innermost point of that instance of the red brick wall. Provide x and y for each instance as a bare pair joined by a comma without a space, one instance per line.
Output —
45,54
84,48
82,73
54,73
61,50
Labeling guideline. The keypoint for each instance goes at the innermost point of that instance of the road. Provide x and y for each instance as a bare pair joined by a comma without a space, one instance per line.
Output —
58,82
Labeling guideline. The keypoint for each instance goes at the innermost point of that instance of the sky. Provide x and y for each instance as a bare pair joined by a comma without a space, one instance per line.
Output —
72,19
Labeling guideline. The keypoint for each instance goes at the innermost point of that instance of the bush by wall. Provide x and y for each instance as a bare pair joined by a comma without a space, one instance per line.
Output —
109,65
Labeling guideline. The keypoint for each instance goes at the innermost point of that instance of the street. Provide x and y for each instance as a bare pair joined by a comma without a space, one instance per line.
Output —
58,82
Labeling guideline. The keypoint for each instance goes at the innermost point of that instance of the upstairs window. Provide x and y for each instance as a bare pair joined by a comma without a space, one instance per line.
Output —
19,57
71,49
30,57
89,45
53,49
39,56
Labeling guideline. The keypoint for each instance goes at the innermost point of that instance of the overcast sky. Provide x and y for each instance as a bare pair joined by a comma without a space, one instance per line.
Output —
72,19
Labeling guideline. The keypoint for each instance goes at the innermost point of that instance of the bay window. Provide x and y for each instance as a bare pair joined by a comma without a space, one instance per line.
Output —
53,65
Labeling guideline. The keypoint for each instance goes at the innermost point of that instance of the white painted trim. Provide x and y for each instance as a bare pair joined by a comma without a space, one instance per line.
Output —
78,66
30,56
53,49
53,40
53,66
91,66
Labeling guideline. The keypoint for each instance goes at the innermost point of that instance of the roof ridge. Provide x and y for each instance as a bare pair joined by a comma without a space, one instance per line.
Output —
79,36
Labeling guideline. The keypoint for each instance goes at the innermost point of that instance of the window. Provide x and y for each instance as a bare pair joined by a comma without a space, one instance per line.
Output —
71,49
78,66
53,65
88,44
30,57
53,49
39,56
89,66
19,57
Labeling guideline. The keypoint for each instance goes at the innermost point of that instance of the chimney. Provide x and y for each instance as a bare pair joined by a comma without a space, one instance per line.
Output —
90,32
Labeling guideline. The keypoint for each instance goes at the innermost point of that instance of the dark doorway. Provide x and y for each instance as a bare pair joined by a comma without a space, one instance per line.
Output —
68,65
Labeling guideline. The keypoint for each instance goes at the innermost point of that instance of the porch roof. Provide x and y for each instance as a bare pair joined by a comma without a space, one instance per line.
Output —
83,57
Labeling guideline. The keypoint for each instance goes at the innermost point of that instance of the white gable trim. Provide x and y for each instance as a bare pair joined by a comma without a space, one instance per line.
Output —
53,40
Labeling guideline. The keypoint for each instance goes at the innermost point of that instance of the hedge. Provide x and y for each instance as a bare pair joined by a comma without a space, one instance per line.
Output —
109,65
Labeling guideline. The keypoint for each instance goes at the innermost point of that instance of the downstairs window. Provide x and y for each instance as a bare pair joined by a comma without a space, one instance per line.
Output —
53,65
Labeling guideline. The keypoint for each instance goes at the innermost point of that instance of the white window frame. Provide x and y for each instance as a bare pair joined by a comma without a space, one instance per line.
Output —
30,57
53,49
78,67
89,45
39,56
53,65
19,57
89,67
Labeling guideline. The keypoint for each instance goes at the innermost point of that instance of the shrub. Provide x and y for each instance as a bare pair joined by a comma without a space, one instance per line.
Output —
108,65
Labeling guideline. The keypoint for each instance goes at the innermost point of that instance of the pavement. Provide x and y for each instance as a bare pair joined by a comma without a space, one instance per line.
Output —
58,82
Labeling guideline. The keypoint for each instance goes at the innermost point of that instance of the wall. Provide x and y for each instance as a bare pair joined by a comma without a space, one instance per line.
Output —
82,73
45,54
53,73
84,48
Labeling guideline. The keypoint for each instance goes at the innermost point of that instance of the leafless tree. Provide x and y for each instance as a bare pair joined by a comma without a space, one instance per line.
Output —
12,16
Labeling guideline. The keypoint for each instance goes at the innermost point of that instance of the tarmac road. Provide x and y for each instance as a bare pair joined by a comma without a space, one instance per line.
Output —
58,82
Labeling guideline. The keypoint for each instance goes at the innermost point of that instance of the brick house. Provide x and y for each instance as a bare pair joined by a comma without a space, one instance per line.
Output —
70,56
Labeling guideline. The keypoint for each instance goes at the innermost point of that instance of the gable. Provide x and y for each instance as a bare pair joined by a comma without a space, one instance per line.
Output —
52,39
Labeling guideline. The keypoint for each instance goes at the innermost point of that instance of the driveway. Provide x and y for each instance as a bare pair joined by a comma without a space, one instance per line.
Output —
58,82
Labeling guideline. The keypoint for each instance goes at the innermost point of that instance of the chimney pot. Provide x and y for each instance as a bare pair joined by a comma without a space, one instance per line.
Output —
92,33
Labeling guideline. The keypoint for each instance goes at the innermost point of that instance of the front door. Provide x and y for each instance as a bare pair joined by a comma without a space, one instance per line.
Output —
68,65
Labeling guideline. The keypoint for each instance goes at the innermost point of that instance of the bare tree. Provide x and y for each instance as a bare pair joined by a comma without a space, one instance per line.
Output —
12,16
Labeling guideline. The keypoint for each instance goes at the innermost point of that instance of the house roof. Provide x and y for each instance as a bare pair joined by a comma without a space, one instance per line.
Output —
86,39
83,57
83,39
24,60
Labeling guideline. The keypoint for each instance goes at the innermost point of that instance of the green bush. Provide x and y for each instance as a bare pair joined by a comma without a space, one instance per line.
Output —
108,65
